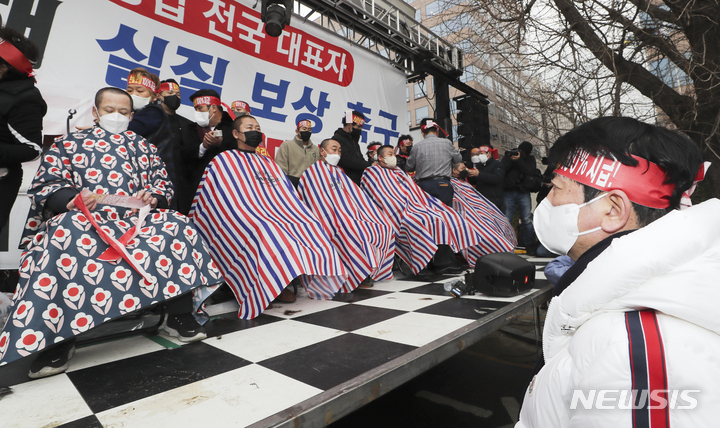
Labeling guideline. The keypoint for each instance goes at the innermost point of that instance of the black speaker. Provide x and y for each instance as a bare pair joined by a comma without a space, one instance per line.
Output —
503,275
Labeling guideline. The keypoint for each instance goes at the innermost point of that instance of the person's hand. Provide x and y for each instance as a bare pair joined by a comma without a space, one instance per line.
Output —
209,140
83,128
90,203
473,172
516,157
146,198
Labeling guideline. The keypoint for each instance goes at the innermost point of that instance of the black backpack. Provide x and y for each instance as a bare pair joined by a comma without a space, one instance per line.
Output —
532,182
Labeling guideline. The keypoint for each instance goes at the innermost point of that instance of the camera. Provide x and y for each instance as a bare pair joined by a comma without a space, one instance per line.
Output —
513,152
217,133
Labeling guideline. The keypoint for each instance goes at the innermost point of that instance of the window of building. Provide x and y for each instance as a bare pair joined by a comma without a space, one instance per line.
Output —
669,73
432,9
407,93
453,107
421,113
418,15
409,119
468,74
418,90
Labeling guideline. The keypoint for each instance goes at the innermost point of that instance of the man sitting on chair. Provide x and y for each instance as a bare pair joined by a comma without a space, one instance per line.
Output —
260,233
86,263
422,223
360,232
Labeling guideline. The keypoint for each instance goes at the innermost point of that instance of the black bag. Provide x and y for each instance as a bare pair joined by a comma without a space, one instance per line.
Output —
503,275
532,182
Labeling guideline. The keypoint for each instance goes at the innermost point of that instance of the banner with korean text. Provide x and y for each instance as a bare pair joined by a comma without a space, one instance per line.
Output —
306,73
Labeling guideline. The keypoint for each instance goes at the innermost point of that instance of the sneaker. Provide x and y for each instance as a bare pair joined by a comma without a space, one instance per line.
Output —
367,283
424,275
52,361
449,270
183,327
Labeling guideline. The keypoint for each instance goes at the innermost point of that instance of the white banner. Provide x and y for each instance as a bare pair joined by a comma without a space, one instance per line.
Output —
306,73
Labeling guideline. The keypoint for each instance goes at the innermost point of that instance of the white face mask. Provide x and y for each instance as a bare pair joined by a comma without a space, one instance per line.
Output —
557,226
375,156
475,159
333,159
114,123
391,161
202,118
139,102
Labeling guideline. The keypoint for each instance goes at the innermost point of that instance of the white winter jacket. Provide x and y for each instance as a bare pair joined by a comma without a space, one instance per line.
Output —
671,266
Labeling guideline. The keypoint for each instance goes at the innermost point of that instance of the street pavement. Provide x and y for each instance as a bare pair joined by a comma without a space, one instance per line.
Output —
480,387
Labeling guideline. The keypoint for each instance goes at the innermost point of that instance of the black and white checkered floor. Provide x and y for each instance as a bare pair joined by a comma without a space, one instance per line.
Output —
244,371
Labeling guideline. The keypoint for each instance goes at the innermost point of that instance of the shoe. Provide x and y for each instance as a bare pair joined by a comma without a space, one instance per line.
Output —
286,296
531,250
183,327
52,361
367,283
424,275
449,270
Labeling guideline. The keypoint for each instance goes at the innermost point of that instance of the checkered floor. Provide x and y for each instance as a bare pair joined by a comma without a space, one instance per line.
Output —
244,371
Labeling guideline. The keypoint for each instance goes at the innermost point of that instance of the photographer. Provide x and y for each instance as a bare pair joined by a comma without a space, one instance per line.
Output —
520,164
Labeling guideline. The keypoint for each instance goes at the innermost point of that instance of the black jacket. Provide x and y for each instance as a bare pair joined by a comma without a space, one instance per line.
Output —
22,108
515,170
177,142
352,160
228,143
489,181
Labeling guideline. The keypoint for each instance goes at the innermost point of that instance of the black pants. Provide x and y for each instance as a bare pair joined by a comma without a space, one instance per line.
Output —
439,188
9,187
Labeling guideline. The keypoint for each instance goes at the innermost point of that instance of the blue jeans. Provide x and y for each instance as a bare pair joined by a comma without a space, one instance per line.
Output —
521,200
439,188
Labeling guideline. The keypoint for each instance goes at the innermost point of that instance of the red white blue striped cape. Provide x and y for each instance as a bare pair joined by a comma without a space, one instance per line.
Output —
421,222
485,218
360,232
260,234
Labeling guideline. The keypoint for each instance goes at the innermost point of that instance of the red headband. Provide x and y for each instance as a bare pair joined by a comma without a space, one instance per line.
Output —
430,124
169,86
209,100
405,141
304,123
241,105
371,145
139,79
644,184
14,57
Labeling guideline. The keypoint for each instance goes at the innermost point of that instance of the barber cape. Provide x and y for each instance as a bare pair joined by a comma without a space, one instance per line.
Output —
260,233
485,218
359,231
421,222
65,288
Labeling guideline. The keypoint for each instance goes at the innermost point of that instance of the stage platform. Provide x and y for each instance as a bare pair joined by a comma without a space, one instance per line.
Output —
303,364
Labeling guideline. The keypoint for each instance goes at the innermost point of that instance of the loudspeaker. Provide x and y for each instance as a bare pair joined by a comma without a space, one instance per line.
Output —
503,275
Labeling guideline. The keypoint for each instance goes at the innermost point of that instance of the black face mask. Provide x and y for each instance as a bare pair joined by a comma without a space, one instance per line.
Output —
356,133
253,138
305,135
408,149
463,174
172,101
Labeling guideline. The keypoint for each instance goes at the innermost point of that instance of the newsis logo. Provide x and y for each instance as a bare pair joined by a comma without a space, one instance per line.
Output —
625,399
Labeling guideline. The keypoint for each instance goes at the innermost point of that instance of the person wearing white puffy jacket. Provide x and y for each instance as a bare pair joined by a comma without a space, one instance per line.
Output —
633,338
